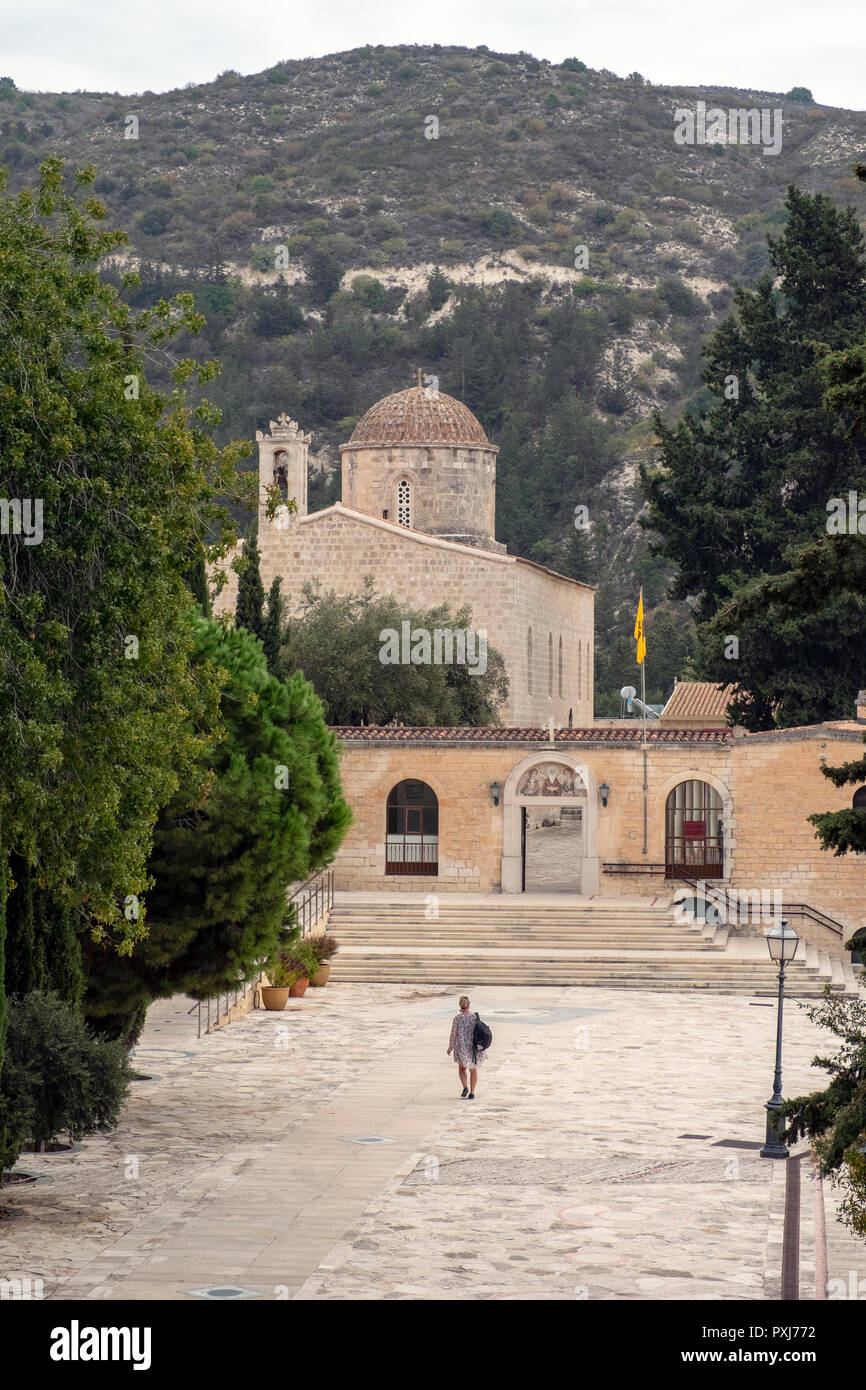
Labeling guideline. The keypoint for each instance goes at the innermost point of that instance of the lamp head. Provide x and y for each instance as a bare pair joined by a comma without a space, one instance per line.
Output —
782,942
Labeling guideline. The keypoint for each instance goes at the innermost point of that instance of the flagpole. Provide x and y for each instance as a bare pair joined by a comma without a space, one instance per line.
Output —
643,718
640,638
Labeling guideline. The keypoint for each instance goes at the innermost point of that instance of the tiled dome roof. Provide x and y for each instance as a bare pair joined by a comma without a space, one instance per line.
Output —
417,416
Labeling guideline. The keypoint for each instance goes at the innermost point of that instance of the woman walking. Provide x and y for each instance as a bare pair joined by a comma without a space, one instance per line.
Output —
462,1045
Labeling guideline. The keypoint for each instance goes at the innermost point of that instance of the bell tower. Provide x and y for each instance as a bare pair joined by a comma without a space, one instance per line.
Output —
282,463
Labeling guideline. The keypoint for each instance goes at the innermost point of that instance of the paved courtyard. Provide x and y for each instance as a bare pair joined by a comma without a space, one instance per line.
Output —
593,1163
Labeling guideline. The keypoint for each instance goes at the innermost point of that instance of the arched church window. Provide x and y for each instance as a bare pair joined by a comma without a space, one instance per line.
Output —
529,659
694,846
560,667
412,830
281,473
588,671
550,663
580,670
404,507
859,801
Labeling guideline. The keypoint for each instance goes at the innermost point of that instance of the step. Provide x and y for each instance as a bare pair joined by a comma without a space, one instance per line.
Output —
750,988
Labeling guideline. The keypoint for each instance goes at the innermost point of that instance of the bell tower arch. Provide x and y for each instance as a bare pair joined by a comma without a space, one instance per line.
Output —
282,463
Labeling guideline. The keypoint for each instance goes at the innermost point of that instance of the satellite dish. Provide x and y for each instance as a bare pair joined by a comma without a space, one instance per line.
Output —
628,692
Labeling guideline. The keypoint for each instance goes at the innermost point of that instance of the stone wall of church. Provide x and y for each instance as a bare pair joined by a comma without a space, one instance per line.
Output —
451,490
769,785
778,785
549,617
505,596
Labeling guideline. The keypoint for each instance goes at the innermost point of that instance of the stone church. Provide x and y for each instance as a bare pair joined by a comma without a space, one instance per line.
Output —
632,812
418,515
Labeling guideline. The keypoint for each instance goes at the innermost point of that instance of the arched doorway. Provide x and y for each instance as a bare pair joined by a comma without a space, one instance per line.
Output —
552,787
412,830
694,831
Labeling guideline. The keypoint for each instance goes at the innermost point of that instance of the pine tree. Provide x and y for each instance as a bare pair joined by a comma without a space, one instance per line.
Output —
744,482
249,609
272,814
272,635
438,288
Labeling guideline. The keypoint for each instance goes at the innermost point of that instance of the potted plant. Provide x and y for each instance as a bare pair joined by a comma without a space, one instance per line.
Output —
304,962
324,947
282,976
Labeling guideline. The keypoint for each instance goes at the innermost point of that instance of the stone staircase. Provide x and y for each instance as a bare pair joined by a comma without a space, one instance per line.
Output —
621,943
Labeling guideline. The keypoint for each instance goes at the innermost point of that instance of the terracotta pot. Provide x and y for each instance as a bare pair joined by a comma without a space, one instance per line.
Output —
321,976
275,996
299,987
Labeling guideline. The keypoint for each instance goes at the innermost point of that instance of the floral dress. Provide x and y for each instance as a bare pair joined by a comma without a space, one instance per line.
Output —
460,1043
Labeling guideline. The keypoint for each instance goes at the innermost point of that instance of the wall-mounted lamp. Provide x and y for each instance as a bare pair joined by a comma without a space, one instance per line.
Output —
604,793
495,792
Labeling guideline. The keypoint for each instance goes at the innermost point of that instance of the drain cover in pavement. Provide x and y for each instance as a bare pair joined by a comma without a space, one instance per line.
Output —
367,1139
218,1291
694,1136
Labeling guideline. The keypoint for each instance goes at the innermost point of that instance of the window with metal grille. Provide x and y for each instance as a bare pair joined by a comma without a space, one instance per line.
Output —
529,659
412,830
560,668
694,841
404,507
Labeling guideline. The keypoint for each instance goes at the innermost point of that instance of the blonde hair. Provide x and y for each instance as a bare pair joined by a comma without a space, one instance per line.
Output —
463,1002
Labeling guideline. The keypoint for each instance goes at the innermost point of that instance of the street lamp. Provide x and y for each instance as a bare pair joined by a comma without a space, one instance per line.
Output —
782,942
604,793
495,792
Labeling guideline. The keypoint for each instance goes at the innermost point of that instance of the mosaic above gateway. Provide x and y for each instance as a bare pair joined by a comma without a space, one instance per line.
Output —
551,779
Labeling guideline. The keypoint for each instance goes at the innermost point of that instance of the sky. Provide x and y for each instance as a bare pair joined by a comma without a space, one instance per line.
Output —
155,45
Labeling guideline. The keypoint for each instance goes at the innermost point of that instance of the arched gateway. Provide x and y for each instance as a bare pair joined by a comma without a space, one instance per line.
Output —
554,779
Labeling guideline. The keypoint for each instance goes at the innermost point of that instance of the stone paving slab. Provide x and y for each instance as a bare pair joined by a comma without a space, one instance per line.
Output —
569,1177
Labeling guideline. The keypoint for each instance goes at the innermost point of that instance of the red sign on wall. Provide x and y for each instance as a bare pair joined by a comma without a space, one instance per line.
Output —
695,829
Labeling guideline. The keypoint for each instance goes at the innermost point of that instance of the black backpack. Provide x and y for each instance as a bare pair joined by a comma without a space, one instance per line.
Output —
482,1037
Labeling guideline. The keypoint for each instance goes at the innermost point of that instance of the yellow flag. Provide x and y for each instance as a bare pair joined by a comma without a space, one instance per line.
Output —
638,631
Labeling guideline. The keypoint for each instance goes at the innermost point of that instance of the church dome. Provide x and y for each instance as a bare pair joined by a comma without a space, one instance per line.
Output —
419,416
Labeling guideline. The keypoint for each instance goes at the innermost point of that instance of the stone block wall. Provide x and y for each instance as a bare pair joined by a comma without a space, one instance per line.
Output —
338,548
769,783
452,488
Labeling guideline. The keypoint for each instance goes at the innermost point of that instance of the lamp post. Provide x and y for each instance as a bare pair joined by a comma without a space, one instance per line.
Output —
782,942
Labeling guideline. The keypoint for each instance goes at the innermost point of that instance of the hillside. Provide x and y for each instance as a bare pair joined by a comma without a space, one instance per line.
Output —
270,195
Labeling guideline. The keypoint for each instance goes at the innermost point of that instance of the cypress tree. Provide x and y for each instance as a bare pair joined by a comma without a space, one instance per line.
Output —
62,967
195,576
8,1151
24,970
273,631
249,609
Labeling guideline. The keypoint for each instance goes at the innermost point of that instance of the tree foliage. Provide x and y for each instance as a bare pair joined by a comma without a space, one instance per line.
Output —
59,1079
250,605
271,813
97,695
836,1117
742,483
337,641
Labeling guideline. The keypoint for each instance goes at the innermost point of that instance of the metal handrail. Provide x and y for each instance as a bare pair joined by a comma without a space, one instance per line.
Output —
224,1013
794,909
310,901
313,899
